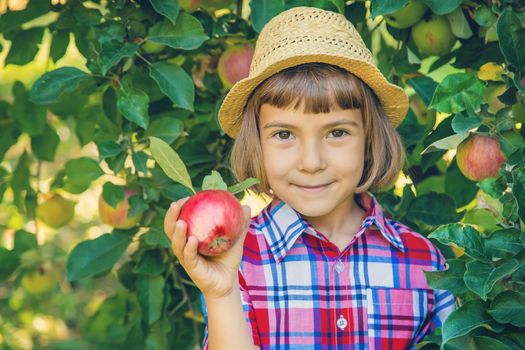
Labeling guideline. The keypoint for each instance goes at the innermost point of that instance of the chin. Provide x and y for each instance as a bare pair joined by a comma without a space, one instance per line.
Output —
307,209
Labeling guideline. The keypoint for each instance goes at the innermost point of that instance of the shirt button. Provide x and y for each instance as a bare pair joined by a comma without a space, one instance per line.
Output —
342,322
339,266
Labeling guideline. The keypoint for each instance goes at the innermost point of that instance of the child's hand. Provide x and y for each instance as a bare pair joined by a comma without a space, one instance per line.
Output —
215,276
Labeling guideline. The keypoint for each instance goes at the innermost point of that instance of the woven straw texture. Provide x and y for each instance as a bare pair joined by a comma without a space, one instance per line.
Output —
302,35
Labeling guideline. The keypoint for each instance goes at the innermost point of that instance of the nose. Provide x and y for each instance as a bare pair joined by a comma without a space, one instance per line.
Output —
311,157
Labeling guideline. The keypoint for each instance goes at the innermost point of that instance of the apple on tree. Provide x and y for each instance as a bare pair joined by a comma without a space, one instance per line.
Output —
118,217
479,156
433,35
55,211
234,64
41,280
406,16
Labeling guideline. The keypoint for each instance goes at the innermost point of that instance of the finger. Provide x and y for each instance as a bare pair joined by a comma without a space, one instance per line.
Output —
190,253
171,218
178,239
172,215
247,216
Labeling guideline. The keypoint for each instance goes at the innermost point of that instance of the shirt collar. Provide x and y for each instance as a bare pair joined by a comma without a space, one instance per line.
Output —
281,225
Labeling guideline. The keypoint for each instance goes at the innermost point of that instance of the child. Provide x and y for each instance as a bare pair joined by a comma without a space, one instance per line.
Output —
320,267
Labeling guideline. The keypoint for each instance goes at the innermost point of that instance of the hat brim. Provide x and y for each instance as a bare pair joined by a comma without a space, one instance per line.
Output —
394,100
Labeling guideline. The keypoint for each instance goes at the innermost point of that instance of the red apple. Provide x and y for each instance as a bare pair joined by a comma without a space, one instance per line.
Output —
234,64
479,157
118,216
215,217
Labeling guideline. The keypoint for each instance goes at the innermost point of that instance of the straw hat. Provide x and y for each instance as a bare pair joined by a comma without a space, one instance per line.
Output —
308,34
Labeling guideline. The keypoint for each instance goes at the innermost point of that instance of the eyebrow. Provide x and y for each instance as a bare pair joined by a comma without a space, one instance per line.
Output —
279,124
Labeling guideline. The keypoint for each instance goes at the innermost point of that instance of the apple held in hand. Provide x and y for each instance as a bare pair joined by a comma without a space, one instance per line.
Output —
215,217
479,157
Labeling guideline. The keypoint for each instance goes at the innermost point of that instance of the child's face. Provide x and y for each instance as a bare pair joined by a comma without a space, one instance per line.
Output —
311,150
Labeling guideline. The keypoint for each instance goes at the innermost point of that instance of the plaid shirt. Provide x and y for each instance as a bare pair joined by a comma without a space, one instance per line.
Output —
299,291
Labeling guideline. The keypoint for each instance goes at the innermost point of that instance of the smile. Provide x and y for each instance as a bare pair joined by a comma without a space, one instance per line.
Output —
313,188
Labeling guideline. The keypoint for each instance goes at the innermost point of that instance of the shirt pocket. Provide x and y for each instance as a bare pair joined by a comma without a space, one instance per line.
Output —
395,316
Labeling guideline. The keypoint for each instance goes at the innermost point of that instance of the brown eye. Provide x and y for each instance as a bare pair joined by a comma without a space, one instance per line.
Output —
338,133
283,135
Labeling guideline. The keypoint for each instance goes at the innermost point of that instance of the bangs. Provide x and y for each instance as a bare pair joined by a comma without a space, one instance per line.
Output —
316,90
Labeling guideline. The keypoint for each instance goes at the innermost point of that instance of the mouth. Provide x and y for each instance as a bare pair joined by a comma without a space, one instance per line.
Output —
317,188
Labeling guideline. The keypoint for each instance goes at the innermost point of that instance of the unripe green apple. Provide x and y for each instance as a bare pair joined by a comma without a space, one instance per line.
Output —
39,281
234,64
479,157
407,16
152,47
192,5
433,36
56,211
118,217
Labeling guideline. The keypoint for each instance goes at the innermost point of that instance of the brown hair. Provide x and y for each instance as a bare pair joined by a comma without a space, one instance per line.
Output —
318,86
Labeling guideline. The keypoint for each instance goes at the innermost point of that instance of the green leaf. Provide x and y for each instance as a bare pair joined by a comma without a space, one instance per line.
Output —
433,209
150,297
150,263
108,149
59,44
45,145
494,187
52,84
463,320
450,279
168,129
463,123
459,24
175,83
9,261
30,118
167,8
424,87
91,257
488,343
24,46
262,11
80,173
509,307
13,19
458,186
446,143
137,205
133,104
240,187
170,162
186,34
481,277
112,51
140,160
156,238
157,338
461,236
112,194
518,180
8,137
24,241
503,242
383,7
214,182
441,7
510,36
458,92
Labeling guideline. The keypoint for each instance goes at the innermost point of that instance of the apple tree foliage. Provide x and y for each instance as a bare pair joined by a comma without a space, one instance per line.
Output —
150,72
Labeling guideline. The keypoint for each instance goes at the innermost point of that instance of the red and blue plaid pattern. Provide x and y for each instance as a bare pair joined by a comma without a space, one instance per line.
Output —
299,291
